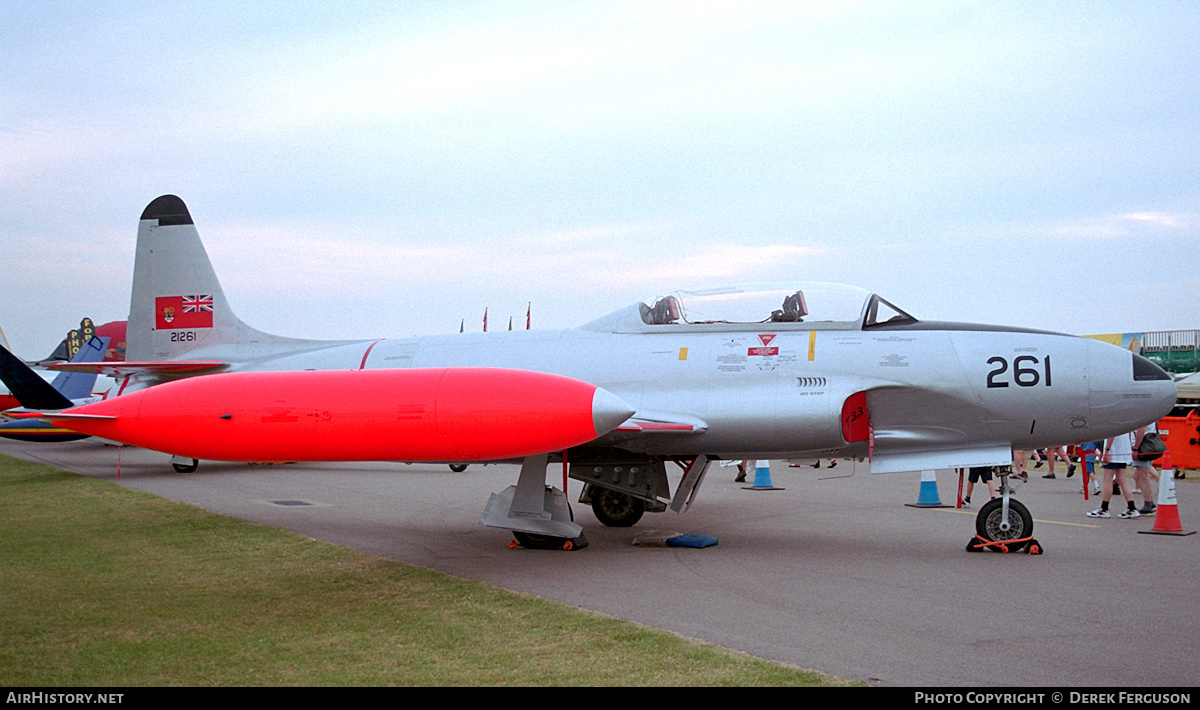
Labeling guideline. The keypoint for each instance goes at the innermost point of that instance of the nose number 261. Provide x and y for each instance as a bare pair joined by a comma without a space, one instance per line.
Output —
1027,371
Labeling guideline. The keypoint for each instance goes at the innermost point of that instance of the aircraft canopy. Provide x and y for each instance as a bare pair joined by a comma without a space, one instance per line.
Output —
806,303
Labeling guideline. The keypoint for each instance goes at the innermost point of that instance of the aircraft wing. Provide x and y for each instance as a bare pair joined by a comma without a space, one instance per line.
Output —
930,460
123,369
915,429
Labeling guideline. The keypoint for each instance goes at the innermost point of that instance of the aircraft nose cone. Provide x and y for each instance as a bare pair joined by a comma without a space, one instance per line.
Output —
608,411
1153,380
1126,390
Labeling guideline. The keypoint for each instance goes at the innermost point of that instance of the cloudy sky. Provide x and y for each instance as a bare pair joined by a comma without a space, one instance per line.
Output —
384,169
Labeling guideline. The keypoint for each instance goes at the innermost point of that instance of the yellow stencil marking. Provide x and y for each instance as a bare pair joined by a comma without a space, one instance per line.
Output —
682,353
812,345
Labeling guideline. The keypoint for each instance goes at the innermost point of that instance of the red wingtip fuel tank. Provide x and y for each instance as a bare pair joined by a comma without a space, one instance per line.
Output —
438,414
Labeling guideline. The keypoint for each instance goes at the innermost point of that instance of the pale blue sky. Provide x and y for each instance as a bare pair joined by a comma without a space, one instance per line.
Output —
388,169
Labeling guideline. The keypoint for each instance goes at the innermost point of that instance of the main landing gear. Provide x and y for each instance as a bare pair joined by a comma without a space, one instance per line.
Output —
614,508
183,464
1004,524
538,515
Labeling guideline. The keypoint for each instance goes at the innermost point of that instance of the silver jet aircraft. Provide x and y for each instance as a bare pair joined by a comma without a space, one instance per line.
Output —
774,372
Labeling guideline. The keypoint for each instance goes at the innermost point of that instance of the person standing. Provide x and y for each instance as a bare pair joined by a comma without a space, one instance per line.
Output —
1144,475
975,474
1118,454
1087,459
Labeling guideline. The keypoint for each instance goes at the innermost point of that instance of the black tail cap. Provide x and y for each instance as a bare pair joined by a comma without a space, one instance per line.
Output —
168,210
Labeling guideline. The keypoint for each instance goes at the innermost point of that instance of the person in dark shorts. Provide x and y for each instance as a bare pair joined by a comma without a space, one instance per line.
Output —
976,474
1118,454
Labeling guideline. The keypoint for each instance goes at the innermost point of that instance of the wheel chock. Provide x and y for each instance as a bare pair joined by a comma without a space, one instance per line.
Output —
979,544
566,544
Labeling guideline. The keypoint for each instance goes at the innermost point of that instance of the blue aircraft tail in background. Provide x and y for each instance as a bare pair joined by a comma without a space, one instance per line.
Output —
33,392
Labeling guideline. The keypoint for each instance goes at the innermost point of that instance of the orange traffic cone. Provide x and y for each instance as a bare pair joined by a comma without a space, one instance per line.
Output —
1166,517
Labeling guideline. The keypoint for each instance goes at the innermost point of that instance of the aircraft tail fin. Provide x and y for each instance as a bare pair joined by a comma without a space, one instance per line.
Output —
70,345
115,332
79,385
177,305
178,310
34,392
27,386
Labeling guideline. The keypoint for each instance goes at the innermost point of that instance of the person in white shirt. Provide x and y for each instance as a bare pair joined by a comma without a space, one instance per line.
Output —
1118,454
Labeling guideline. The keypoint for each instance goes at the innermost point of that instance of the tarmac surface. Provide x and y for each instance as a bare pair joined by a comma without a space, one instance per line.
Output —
837,572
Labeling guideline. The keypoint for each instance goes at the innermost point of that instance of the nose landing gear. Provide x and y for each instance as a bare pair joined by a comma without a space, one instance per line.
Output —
1004,524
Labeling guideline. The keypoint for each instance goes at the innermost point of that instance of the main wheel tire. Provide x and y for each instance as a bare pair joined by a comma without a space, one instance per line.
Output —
533,541
458,467
616,509
987,523
538,542
186,467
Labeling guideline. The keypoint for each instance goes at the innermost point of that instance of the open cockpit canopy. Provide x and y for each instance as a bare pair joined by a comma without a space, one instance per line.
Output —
814,305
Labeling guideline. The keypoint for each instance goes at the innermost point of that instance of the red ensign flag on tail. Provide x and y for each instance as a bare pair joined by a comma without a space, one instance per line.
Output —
176,312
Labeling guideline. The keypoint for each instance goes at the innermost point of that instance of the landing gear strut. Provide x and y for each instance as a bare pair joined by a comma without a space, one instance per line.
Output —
538,515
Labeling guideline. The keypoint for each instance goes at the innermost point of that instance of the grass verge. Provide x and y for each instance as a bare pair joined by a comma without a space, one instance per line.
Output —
107,586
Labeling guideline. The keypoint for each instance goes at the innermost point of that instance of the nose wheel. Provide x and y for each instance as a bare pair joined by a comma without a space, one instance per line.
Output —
1015,530
1004,524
